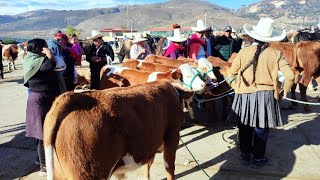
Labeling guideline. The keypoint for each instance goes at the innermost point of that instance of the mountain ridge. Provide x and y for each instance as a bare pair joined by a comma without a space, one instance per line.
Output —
38,23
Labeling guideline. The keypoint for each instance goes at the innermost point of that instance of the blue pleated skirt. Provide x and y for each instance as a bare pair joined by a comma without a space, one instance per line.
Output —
258,109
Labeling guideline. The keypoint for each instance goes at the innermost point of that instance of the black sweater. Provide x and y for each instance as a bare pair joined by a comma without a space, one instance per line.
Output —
104,50
45,80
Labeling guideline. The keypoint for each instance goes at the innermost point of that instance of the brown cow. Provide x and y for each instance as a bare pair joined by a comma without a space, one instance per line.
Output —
303,58
146,66
203,68
10,54
97,134
163,60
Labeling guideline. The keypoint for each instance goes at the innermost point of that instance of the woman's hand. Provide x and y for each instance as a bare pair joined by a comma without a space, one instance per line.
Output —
47,52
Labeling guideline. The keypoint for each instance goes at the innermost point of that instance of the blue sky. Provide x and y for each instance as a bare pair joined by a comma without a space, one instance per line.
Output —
12,7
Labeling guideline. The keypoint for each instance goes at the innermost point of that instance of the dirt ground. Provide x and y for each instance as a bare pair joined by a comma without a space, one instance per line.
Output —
293,150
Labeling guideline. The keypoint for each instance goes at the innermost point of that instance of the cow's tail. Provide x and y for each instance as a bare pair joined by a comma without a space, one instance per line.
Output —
59,110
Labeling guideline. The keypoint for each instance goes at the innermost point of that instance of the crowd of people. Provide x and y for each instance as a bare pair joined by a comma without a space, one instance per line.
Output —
50,70
198,45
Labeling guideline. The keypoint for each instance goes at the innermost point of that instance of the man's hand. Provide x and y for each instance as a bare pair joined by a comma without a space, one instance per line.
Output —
96,59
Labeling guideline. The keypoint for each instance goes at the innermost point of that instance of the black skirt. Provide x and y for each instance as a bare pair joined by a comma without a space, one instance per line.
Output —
258,109
38,106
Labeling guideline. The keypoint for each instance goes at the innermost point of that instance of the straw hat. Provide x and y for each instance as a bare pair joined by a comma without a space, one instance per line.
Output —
139,38
200,26
264,31
177,36
95,34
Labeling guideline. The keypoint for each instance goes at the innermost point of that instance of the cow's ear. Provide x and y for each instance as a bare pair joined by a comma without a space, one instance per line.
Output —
176,74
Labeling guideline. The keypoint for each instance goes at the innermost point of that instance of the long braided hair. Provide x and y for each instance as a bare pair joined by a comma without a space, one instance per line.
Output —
254,62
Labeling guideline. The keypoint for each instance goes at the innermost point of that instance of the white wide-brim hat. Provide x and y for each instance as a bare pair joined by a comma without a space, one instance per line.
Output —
200,26
95,34
177,36
139,38
264,31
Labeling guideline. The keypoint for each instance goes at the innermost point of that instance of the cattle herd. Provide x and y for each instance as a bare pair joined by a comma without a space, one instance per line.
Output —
139,111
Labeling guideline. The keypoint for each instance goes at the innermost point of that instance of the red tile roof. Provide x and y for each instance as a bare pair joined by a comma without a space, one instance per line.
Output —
169,29
116,30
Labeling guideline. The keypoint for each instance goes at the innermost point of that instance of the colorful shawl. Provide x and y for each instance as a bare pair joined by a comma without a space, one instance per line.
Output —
194,45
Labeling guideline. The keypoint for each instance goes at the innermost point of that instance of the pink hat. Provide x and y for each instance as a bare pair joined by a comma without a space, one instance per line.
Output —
61,36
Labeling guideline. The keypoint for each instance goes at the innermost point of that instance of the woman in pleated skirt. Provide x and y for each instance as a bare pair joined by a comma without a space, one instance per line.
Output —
257,91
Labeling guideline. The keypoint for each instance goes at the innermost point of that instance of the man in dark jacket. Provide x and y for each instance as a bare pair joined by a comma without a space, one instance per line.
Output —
210,40
100,54
224,45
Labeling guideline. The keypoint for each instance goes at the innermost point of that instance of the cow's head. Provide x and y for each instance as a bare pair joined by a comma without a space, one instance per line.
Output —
189,79
205,68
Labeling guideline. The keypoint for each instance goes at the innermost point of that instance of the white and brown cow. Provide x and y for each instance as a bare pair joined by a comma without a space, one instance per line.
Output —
147,66
184,78
96,134
10,54
203,67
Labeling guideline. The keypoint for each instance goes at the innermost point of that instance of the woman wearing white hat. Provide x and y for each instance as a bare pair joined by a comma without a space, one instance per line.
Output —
176,49
197,45
257,90
139,49
100,54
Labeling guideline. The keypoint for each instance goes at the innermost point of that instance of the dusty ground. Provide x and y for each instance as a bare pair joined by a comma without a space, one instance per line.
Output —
293,151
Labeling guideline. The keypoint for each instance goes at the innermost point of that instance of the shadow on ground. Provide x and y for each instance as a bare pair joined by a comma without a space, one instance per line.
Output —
18,156
302,132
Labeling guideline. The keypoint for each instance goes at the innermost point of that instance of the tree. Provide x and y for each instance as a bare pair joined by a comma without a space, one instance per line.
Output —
71,30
